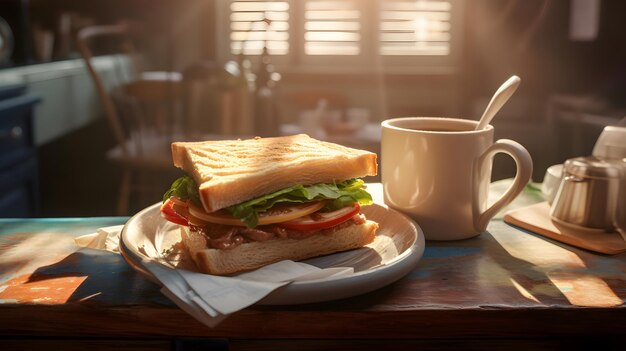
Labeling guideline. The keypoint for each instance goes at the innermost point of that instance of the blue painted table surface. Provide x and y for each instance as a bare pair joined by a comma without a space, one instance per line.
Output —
504,283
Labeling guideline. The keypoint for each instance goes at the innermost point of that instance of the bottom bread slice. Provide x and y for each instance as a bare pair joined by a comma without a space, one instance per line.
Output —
256,254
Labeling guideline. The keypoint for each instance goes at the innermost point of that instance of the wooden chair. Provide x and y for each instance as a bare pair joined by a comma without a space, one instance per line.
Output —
145,115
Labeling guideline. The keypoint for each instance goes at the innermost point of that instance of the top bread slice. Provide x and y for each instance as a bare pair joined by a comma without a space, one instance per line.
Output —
229,172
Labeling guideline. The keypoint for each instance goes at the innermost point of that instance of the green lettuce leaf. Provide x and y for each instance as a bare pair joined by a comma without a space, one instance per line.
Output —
185,188
340,194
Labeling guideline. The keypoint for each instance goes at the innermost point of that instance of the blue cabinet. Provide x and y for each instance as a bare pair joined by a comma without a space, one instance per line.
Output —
19,183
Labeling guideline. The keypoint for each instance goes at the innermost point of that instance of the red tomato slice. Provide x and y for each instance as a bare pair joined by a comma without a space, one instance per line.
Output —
168,212
322,220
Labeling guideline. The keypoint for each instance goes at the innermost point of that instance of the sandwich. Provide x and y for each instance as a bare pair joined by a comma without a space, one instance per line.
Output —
244,204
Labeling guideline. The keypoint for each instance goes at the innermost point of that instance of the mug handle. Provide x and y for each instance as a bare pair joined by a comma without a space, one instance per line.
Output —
619,220
524,165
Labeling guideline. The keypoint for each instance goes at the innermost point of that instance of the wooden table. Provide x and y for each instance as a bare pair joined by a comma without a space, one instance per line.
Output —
504,285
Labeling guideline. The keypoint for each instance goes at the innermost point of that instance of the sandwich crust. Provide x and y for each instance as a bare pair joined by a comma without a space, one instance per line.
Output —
252,255
229,172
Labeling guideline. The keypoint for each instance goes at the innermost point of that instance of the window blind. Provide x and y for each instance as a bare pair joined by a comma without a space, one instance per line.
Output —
419,27
332,27
256,24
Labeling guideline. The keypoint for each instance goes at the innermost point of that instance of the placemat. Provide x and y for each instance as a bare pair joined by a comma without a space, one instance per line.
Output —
536,218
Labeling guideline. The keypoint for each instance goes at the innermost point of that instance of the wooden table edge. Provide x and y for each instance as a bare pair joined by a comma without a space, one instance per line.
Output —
271,323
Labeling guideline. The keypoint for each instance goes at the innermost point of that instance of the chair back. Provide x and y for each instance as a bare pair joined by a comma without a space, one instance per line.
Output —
145,112
122,33
153,118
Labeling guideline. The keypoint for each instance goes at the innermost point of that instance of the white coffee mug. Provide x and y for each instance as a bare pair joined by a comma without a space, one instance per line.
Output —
438,170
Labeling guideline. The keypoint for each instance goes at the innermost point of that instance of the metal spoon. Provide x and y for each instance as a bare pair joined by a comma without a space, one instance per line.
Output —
498,100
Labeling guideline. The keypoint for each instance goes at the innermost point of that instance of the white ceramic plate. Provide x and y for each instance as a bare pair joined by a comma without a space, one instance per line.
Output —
398,246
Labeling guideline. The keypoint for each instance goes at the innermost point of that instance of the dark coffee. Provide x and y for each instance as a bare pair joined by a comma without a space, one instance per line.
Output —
428,124
447,129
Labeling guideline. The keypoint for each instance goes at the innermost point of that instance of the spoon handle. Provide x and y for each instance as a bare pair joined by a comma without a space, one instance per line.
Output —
498,100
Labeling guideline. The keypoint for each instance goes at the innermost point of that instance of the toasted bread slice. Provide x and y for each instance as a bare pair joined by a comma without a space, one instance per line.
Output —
256,254
229,172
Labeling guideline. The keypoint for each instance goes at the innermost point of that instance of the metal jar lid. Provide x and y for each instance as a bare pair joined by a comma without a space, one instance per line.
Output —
591,167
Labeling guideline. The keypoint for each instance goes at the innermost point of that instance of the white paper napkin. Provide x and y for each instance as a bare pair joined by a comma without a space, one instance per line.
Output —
210,299
107,238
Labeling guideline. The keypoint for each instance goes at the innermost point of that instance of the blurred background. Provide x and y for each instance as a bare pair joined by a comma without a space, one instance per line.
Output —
93,92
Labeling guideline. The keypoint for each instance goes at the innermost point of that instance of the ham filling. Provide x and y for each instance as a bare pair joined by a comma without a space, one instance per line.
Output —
224,237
